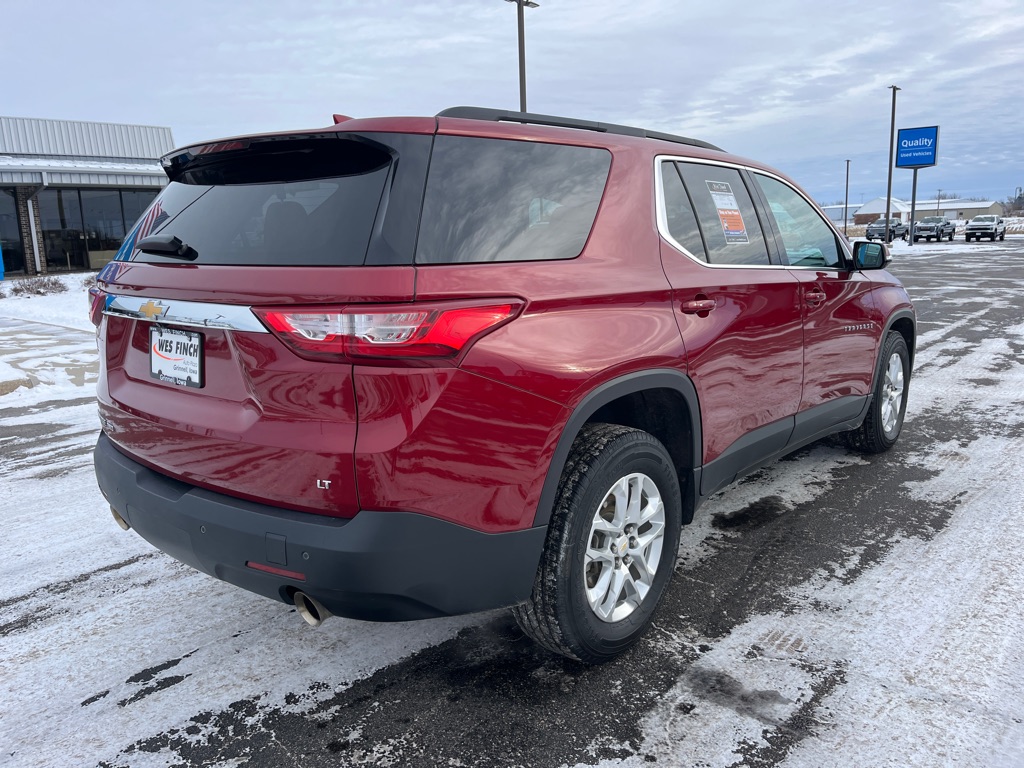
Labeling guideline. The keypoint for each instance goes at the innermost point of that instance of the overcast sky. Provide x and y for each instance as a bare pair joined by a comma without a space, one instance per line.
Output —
800,85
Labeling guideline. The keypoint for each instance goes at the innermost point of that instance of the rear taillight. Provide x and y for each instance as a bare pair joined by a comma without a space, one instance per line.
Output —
369,333
97,303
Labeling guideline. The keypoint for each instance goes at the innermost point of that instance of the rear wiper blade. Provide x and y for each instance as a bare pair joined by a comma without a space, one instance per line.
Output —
167,245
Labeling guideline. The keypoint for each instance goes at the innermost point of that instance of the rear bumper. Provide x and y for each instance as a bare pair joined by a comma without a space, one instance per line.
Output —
377,566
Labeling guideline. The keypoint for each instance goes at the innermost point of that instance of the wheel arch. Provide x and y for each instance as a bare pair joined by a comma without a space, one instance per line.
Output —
903,322
662,402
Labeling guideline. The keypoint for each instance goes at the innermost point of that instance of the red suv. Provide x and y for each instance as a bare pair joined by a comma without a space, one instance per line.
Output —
402,368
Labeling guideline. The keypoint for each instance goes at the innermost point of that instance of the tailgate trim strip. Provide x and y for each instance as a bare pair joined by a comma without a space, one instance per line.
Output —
192,314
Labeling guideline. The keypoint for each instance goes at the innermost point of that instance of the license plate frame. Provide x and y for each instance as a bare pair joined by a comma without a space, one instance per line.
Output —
176,356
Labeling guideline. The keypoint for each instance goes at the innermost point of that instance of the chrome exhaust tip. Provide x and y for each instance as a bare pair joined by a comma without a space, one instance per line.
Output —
119,520
310,609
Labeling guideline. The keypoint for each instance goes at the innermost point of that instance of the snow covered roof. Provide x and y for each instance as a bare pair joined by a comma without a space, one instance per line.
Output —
53,170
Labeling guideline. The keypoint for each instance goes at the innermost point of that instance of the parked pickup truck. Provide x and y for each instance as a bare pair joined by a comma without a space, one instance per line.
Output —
986,225
897,229
934,226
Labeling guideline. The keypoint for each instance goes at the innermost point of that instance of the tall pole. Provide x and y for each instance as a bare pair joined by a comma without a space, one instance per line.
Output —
937,201
846,204
521,5
913,211
522,57
892,147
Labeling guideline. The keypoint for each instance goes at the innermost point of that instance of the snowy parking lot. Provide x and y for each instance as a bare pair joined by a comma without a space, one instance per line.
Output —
830,609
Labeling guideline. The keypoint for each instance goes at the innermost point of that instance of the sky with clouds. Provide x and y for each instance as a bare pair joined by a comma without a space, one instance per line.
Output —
800,85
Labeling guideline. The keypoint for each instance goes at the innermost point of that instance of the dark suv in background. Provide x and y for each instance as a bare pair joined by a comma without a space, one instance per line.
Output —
401,368
897,230
934,226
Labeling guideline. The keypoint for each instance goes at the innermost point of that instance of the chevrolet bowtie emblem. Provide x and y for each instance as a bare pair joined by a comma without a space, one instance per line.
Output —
152,309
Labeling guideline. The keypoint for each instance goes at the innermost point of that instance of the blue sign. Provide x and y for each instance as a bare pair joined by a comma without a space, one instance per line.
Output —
917,147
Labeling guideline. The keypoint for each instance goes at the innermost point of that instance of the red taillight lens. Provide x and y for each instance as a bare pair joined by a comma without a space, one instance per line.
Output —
368,333
97,302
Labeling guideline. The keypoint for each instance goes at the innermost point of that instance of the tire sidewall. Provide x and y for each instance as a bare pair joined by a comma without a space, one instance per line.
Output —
622,457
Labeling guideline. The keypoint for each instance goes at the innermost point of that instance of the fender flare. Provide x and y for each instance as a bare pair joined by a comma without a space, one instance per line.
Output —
631,383
901,314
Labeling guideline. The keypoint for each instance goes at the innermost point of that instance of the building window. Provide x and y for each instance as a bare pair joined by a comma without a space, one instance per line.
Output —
104,224
82,229
134,203
10,233
63,231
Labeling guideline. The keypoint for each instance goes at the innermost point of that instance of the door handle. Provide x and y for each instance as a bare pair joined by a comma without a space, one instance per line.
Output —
697,305
815,296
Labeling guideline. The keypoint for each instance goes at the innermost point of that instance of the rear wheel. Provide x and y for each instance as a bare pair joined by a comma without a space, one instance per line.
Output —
1002,236
611,545
884,422
951,236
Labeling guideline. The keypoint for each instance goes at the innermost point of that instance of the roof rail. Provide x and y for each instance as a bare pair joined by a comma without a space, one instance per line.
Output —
501,115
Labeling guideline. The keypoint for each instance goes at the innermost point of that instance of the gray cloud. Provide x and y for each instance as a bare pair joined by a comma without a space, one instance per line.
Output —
800,85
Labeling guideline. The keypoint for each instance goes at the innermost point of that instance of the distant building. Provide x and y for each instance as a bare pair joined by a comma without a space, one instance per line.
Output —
70,190
875,209
954,209
835,212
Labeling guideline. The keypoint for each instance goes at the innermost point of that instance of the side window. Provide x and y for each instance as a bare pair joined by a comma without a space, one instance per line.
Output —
501,200
808,240
679,216
732,233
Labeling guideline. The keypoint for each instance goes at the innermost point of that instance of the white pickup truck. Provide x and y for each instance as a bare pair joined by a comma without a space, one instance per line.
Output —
987,225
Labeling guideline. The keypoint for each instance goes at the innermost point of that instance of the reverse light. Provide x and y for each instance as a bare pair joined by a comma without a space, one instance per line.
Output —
366,333
97,302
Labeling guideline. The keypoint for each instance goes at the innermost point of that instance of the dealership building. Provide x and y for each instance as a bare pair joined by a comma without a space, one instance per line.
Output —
70,190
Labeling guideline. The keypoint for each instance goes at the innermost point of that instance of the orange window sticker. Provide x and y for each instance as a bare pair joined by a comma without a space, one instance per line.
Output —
729,215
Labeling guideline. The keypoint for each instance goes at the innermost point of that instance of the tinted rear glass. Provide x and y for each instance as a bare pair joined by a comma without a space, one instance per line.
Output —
496,200
301,203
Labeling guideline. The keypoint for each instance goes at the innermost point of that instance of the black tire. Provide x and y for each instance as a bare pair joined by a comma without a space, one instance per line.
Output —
951,235
967,238
559,614
992,237
881,427
1002,236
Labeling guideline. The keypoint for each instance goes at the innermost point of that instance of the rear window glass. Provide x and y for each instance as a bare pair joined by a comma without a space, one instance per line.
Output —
491,200
269,207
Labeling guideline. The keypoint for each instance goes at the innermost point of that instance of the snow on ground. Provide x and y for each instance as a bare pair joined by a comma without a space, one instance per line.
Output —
917,661
73,591
70,309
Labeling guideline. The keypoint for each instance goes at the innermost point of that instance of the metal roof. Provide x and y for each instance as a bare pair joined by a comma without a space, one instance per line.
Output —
34,136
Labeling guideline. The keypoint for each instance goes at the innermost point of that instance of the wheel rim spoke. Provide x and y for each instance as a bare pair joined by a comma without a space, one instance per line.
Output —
625,546
892,393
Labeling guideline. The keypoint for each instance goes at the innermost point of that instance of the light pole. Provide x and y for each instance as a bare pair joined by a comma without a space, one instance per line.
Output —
937,201
522,49
846,205
892,146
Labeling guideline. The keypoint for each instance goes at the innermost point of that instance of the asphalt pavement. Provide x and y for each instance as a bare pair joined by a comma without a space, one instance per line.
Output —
738,669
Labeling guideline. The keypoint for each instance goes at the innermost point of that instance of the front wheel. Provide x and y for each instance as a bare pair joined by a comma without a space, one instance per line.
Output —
884,422
611,545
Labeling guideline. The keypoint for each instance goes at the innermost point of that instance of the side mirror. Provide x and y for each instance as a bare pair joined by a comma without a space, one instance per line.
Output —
870,255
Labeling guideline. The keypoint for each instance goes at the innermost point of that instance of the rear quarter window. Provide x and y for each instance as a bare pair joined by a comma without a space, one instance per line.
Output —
495,200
